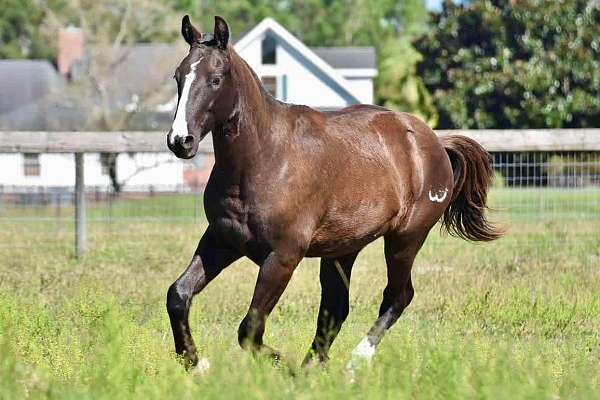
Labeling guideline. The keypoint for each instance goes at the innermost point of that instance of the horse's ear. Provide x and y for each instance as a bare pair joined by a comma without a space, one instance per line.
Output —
221,32
189,33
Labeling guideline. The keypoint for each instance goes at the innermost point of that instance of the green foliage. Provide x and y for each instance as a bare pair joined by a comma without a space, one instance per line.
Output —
398,85
20,36
316,22
505,64
112,22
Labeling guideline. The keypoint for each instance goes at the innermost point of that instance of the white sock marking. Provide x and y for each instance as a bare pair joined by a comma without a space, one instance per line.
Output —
363,353
180,124
365,350
202,367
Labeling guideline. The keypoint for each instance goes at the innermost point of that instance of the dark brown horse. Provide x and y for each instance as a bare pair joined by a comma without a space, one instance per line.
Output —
291,182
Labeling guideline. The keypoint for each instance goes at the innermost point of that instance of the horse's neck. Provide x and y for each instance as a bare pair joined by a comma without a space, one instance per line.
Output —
238,142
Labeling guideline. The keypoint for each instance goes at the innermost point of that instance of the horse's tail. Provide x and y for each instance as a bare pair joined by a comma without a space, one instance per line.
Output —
465,216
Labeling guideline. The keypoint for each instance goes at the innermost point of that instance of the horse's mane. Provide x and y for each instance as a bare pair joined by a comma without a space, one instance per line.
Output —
241,65
256,105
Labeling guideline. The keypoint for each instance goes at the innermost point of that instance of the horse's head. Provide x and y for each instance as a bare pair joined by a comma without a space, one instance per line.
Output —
204,87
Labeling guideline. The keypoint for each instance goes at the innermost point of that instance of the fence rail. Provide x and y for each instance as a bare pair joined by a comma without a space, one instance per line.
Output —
494,140
89,142
559,163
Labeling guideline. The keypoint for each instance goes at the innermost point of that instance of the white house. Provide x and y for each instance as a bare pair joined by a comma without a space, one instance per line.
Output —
325,78
160,170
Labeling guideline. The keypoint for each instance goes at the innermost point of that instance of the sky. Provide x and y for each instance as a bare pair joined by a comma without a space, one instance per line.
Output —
434,4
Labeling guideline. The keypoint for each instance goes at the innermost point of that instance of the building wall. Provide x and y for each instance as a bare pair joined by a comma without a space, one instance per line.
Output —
161,169
362,88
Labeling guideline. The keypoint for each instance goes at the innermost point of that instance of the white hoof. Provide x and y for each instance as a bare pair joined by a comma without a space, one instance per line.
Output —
202,367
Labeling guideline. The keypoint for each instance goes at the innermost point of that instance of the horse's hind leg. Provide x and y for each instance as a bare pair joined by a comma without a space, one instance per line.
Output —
400,252
210,258
335,285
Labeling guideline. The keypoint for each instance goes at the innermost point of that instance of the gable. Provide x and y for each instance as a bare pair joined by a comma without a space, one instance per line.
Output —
293,53
298,80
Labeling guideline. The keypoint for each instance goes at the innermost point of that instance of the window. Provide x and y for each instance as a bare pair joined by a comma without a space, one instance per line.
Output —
270,84
105,160
268,48
31,164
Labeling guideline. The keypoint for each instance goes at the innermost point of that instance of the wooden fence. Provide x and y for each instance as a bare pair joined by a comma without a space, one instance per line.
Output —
78,143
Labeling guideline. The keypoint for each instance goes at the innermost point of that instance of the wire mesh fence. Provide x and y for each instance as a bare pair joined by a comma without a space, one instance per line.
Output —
549,201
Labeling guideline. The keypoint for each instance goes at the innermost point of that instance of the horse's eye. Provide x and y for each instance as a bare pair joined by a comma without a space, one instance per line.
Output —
215,81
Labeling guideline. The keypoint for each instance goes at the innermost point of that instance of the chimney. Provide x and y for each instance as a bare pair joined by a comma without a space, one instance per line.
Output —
70,49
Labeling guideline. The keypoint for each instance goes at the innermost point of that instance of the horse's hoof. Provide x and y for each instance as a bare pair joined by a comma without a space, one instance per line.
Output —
358,361
314,359
202,367
353,366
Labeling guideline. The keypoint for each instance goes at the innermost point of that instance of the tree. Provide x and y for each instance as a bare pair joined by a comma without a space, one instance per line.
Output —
110,29
19,33
519,63
389,25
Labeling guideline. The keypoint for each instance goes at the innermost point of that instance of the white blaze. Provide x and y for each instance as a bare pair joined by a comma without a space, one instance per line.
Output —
179,127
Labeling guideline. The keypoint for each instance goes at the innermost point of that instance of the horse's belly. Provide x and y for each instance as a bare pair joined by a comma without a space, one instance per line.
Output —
343,233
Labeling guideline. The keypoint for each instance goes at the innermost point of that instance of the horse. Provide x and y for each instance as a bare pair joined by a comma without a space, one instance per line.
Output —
290,182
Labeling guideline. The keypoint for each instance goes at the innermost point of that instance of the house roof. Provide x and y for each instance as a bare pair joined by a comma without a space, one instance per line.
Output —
270,25
33,96
347,57
146,67
26,81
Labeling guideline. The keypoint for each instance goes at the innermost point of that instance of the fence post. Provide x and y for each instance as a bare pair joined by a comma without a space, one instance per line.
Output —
80,229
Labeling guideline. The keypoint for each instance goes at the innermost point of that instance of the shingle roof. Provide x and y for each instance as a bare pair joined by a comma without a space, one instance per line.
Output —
144,68
26,81
32,95
347,57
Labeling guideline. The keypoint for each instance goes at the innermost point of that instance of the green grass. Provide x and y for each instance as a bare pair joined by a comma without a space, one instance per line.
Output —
518,318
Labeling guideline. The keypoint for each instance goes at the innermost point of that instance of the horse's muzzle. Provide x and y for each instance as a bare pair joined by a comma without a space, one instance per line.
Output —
182,146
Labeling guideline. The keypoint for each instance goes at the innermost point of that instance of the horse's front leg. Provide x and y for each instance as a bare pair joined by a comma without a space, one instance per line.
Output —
273,277
210,258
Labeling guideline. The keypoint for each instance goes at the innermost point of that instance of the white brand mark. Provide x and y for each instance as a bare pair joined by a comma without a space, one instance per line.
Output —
438,196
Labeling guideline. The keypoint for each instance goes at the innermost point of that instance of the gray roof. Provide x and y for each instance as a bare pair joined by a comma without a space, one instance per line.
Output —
145,68
347,57
33,95
26,81
30,90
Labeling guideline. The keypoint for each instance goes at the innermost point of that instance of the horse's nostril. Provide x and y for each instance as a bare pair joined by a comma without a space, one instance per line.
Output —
187,142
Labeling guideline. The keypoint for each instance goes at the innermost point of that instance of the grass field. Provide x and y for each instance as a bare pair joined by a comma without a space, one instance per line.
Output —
518,318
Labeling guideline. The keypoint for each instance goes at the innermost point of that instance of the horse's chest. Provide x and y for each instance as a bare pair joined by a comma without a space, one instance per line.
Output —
232,219
229,217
